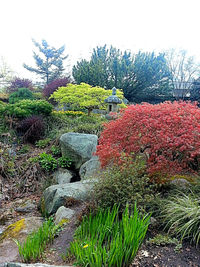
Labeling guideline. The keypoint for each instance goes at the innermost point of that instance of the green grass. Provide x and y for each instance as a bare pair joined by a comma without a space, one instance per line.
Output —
35,244
181,213
105,240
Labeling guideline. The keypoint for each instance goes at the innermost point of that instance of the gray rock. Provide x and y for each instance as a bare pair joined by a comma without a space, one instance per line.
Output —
55,196
79,147
180,182
63,214
26,207
90,168
62,176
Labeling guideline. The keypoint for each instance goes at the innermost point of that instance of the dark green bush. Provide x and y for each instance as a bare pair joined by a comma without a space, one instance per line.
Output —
22,93
125,184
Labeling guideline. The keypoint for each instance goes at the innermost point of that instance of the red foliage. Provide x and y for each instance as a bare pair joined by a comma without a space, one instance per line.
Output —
168,133
53,86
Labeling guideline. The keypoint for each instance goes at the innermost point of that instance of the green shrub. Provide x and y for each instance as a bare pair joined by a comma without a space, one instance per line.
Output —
55,150
125,184
22,93
64,162
35,244
181,214
43,143
48,162
104,240
26,108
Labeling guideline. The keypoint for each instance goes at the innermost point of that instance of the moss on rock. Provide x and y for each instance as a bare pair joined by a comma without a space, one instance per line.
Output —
13,229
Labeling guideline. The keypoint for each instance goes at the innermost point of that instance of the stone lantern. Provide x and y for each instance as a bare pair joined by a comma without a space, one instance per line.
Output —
113,101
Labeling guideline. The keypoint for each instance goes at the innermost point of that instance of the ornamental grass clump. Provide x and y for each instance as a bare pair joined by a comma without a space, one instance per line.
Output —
103,239
35,244
181,214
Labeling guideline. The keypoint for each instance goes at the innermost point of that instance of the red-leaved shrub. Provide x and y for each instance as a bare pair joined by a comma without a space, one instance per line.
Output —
167,133
32,129
53,86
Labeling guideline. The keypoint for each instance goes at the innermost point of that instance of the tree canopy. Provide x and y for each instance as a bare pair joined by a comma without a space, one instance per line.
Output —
49,61
83,96
143,76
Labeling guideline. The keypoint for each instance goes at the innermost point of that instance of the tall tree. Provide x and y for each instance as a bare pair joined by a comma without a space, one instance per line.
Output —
49,61
143,76
6,73
184,70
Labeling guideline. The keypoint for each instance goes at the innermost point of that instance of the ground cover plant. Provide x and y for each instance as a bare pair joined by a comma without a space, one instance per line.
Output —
105,240
167,134
35,244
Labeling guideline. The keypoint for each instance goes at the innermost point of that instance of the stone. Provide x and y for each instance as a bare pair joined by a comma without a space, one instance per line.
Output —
63,214
18,230
26,207
78,147
90,168
180,182
62,176
55,196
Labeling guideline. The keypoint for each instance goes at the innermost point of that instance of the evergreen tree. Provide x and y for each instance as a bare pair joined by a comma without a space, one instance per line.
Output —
49,61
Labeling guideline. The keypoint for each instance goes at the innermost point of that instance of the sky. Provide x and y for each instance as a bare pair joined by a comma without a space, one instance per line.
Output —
81,25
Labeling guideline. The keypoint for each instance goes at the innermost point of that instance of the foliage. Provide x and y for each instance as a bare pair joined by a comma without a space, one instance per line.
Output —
35,244
17,83
43,143
164,240
83,95
104,240
24,149
20,94
69,113
142,76
64,162
6,73
167,133
47,162
32,129
55,150
49,61
59,124
125,184
54,85
181,214
25,108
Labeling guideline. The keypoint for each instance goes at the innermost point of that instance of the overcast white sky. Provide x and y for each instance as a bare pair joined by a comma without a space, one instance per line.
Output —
83,24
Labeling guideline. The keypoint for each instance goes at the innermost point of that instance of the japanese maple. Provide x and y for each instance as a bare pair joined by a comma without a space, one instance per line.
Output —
167,133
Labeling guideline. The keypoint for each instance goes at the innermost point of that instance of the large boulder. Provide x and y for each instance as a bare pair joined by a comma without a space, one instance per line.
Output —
56,196
90,168
62,176
79,147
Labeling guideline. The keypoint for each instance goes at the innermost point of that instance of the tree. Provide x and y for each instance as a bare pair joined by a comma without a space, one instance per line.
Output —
143,76
167,134
6,73
83,96
184,70
49,62
17,83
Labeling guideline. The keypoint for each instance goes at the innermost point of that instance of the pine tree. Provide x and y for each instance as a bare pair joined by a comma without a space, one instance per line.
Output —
49,61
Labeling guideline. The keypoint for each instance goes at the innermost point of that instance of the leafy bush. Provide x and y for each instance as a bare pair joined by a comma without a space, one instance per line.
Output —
20,94
64,162
43,143
31,128
54,85
104,240
167,133
55,150
25,108
35,244
181,214
125,184
48,162
17,83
